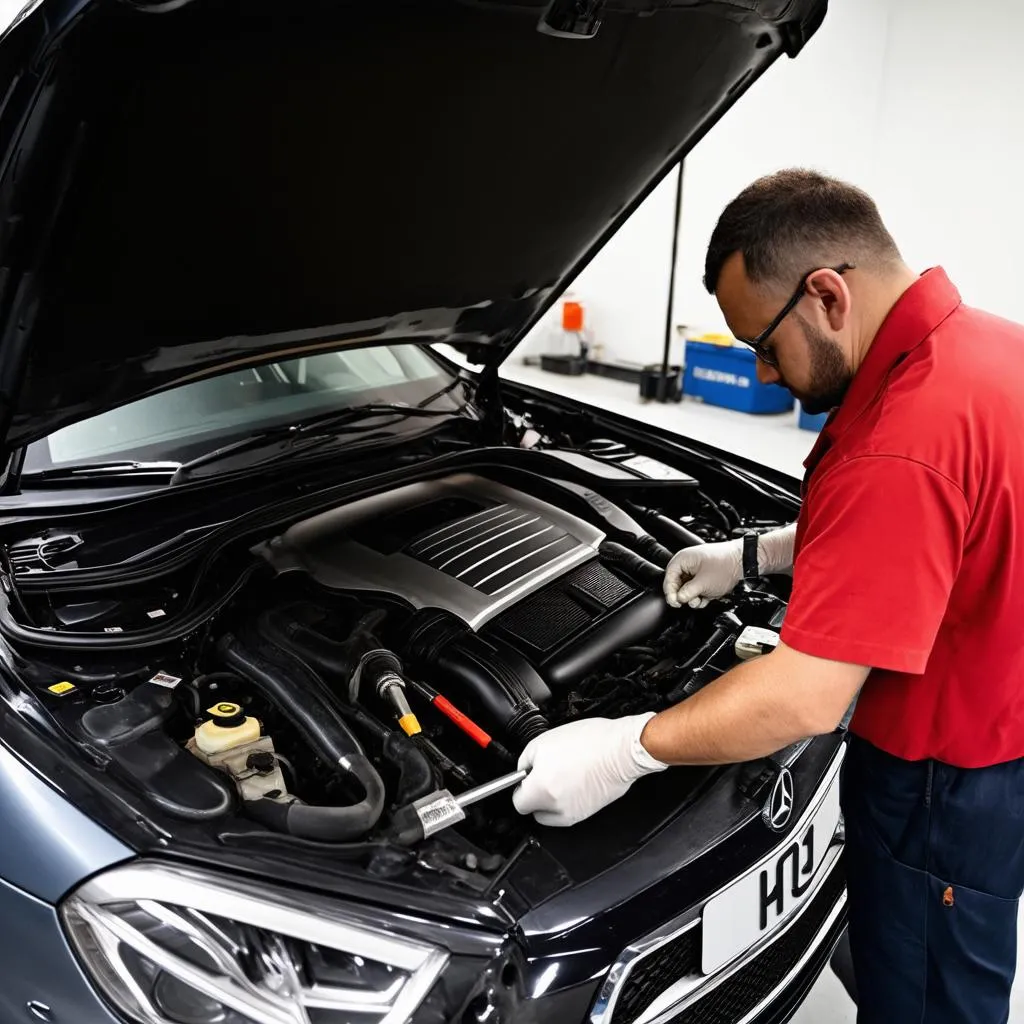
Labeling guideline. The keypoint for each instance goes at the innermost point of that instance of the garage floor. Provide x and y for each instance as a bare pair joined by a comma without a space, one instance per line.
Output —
771,440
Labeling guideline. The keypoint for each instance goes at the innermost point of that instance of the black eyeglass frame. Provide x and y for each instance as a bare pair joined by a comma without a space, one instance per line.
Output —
757,344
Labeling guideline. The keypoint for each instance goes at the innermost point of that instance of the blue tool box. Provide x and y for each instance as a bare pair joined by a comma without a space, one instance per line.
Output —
726,375
808,422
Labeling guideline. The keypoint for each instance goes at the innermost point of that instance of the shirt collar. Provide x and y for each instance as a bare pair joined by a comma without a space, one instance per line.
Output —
917,312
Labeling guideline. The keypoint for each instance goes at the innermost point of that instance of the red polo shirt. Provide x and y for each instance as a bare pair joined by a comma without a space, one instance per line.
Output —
910,542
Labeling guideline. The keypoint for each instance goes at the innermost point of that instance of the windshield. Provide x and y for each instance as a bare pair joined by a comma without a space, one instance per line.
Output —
185,422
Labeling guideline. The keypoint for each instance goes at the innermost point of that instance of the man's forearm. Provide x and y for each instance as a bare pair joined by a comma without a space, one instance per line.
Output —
756,709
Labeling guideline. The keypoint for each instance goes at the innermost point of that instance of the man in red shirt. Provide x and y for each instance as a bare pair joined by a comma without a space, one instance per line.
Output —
908,589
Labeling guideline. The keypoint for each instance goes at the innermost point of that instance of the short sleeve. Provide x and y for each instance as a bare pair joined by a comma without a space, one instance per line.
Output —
880,549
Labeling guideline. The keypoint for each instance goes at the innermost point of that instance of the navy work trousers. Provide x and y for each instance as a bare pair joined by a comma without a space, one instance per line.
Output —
935,869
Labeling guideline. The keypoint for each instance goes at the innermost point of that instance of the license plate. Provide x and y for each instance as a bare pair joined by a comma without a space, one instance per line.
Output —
762,899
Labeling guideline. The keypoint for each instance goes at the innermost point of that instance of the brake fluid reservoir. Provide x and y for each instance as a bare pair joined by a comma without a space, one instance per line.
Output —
227,727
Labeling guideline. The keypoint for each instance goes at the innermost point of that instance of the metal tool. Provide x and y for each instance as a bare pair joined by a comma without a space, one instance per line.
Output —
436,811
478,793
462,720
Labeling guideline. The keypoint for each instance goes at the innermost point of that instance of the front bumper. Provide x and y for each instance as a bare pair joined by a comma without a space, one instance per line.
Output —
768,985
658,980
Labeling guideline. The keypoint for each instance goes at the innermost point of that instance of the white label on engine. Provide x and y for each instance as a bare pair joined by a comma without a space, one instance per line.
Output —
164,679
156,613
753,641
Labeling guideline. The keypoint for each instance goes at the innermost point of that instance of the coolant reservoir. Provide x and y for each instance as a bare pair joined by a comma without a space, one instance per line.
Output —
228,727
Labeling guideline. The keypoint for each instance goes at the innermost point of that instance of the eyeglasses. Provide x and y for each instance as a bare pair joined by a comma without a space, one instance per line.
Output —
758,344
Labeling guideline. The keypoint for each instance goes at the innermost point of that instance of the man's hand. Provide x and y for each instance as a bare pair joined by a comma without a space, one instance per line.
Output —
754,710
581,767
705,571
698,574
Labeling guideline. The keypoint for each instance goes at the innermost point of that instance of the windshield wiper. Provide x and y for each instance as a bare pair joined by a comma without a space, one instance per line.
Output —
292,437
101,470
312,433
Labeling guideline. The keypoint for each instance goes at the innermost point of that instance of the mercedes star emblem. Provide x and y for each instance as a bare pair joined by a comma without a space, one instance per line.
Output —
779,808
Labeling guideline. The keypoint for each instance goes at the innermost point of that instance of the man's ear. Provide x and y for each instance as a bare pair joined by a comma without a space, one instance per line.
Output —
831,291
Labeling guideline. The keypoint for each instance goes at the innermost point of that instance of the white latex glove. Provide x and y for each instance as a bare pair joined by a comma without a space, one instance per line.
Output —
700,573
577,769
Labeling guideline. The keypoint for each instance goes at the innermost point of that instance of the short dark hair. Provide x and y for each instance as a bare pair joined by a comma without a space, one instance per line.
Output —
793,221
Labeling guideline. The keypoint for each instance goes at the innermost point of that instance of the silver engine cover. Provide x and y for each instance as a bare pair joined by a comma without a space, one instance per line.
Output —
474,565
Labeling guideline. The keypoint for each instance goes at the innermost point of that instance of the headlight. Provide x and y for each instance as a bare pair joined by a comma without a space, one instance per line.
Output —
173,946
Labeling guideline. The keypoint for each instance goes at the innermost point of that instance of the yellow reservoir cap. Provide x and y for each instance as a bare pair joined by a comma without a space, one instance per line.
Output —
225,709
228,727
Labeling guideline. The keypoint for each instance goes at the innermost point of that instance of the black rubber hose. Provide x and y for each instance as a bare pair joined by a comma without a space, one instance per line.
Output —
650,549
722,517
304,706
481,673
326,824
337,658
334,659
415,773
668,531
326,734
727,628
416,776
645,573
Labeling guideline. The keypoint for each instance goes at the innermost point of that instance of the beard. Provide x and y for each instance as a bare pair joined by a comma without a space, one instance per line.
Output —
829,375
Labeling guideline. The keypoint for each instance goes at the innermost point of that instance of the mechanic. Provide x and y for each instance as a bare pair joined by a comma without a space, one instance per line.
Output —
908,589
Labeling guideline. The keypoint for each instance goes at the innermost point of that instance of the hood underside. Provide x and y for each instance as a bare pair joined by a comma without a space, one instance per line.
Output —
233,181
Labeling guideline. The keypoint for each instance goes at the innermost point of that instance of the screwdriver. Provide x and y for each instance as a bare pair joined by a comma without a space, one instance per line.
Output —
460,719
440,810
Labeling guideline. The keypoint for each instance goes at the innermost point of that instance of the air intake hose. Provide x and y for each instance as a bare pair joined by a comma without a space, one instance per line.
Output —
298,694
651,550
644,572
484,674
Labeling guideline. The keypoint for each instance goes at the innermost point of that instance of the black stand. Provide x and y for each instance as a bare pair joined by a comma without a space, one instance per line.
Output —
662,393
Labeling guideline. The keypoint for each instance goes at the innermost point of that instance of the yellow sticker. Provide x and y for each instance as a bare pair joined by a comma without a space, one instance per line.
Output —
225,710
61,688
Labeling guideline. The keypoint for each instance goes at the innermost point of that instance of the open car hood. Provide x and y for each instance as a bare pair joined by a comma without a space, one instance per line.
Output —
187,187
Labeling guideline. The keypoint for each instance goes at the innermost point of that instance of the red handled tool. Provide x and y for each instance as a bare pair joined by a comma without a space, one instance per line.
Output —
462,720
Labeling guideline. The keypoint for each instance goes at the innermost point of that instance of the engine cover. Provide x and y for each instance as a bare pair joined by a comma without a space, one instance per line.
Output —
463,543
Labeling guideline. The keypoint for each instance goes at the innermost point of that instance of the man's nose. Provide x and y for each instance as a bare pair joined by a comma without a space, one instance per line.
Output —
767,374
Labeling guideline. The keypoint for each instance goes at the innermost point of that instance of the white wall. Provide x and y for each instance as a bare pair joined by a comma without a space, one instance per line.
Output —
917,101
819,110
950,173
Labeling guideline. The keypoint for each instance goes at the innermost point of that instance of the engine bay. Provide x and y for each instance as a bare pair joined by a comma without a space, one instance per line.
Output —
340,676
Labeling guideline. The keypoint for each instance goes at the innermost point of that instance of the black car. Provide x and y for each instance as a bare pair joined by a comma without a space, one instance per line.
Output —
282,585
